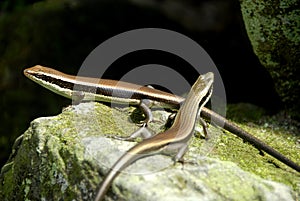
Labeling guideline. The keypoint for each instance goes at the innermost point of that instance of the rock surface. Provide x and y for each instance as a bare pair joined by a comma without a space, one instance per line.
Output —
273,28
64,158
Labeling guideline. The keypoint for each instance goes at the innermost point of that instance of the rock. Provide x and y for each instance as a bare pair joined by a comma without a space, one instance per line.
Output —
64,158
273,29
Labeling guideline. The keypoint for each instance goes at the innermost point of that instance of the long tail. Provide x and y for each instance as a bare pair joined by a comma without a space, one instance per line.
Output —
231,127
127,159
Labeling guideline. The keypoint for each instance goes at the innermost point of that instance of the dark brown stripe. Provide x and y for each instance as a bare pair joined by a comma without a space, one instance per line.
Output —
106,90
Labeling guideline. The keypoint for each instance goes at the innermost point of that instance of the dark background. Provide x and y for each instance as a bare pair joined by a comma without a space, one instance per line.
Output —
60,34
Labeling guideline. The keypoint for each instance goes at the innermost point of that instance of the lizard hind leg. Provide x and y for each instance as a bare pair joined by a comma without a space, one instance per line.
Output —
143,131
144,106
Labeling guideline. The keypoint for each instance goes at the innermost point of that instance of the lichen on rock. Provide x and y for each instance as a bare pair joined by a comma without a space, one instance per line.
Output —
273,28
64,157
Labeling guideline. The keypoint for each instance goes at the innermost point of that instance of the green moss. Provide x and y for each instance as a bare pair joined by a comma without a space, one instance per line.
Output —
245,112
277,131
53,151
221,180
273,28
61,169
26,185
58,34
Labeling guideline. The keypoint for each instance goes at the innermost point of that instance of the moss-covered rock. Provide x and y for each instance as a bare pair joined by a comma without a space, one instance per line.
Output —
274,30
59,34
64,158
